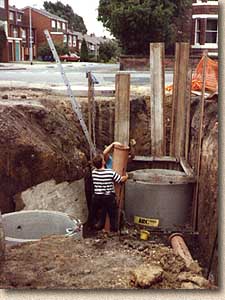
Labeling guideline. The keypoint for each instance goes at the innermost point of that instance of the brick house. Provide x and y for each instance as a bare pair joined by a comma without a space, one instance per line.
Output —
204,27
57,27
4,19
19,36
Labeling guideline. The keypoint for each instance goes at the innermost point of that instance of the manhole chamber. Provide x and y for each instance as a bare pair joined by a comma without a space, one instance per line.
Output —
31,225
159,197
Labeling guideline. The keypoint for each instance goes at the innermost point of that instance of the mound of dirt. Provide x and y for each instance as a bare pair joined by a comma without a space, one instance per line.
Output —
98,262
40,139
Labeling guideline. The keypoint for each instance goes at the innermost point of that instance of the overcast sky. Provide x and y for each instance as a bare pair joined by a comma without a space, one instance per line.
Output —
87,9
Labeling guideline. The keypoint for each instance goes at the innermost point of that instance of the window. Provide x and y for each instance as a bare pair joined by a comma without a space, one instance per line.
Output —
53,24
65,38
74,41
58,25
2,3
19,17
70,40
11,16
15,32
211,31
64,26
23,33
197,31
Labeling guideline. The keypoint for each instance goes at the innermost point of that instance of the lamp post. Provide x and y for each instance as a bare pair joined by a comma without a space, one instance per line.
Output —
31,38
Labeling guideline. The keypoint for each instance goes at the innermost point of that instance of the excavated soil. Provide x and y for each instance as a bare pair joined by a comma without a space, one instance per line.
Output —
97,262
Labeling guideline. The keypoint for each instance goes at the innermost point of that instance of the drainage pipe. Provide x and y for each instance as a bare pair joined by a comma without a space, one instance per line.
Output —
181,249
120,159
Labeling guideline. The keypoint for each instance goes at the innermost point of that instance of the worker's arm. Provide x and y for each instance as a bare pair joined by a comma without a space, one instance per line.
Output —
109,148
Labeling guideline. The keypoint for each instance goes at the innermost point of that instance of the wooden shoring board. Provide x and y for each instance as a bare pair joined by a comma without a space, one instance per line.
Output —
188,107
89,103
157,98
122,108
122,128
178,120
199,150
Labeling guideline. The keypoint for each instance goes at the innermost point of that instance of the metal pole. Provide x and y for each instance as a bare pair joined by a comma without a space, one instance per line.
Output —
31,38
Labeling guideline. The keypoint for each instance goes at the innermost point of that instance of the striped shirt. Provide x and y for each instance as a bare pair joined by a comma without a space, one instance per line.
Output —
103,181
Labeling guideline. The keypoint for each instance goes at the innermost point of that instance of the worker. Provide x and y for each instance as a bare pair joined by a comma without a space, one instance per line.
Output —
108,154
108,150
104,193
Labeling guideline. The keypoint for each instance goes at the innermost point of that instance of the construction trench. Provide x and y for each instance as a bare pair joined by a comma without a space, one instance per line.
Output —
168,207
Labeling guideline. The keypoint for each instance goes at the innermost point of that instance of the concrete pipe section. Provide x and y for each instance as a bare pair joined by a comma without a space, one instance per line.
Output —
31,225
159,194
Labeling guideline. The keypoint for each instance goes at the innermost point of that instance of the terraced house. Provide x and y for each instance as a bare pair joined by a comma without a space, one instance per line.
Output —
4,8
57,27
204,27
22,36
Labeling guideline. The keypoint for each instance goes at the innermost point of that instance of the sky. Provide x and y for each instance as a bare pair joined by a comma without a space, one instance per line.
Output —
87,9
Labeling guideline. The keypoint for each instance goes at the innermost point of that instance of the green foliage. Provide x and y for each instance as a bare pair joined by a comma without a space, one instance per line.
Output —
66,12
108,50
136,23
84,56
44,50
3,40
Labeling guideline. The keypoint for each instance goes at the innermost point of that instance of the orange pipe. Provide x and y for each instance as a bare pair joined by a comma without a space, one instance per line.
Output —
180,248
120,159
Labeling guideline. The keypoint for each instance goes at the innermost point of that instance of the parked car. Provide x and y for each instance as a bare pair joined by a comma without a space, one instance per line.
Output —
70,57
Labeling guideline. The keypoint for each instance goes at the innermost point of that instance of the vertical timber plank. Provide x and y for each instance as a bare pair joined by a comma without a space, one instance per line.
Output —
179,112
122,108
200,136
121,129
157,98
188,108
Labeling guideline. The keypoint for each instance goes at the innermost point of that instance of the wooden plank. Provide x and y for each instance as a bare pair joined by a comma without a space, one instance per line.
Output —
174,97
89,103
178,125
198,165
122,108
155,158
188,107
121,132
157,96
186,167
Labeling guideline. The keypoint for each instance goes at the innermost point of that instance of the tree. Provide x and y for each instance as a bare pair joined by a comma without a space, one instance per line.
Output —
84,55
66,12
108,50
3,40
135,23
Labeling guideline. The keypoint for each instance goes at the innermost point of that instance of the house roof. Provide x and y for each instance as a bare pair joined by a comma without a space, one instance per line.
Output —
13,8
47,14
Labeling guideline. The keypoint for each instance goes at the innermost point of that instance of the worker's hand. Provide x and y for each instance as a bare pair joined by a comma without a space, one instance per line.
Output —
117,144
124,178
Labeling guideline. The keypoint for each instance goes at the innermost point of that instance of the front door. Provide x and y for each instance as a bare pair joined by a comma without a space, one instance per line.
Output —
11,51
17,51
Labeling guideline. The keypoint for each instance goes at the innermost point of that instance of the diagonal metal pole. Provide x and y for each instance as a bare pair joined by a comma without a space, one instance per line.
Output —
74,103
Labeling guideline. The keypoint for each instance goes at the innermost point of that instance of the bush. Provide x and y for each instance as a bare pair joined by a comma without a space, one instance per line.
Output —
108,50
45,52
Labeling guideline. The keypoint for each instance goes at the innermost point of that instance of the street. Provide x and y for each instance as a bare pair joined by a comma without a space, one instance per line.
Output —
47,76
